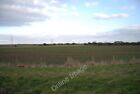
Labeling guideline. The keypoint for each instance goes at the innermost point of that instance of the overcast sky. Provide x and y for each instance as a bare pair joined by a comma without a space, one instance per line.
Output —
38,21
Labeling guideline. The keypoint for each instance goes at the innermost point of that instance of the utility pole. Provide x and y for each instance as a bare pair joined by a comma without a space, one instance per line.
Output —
12,40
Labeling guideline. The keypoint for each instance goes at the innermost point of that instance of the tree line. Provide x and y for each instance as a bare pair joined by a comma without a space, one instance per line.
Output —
95,43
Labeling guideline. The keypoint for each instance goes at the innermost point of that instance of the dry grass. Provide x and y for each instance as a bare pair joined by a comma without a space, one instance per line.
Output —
70,62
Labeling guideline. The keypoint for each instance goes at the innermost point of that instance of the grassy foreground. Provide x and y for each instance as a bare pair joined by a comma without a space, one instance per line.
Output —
97,79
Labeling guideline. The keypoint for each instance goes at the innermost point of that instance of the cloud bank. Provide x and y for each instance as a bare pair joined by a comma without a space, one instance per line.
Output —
23,12
20,12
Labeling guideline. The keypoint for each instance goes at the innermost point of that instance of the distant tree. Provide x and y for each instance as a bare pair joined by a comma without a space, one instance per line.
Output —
44,44
67,43
94,42
118,42
138,43
89,43
85,44
54,44
74,43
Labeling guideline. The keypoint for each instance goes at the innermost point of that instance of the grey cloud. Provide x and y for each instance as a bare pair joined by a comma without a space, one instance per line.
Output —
23,12
19,12
130,33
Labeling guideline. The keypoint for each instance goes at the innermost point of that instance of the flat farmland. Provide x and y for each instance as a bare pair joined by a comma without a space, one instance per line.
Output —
60,54
101,77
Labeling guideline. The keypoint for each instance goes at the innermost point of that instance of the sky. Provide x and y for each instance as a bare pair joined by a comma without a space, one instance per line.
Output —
61,21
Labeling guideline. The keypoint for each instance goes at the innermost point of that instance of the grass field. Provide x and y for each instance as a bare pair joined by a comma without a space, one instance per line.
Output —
98,79
59,54
101,77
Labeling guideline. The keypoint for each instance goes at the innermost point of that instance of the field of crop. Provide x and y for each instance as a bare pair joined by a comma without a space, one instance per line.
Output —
60,54
109,70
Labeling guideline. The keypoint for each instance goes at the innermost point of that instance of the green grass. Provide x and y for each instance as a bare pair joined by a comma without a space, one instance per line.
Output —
59,54
98,79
